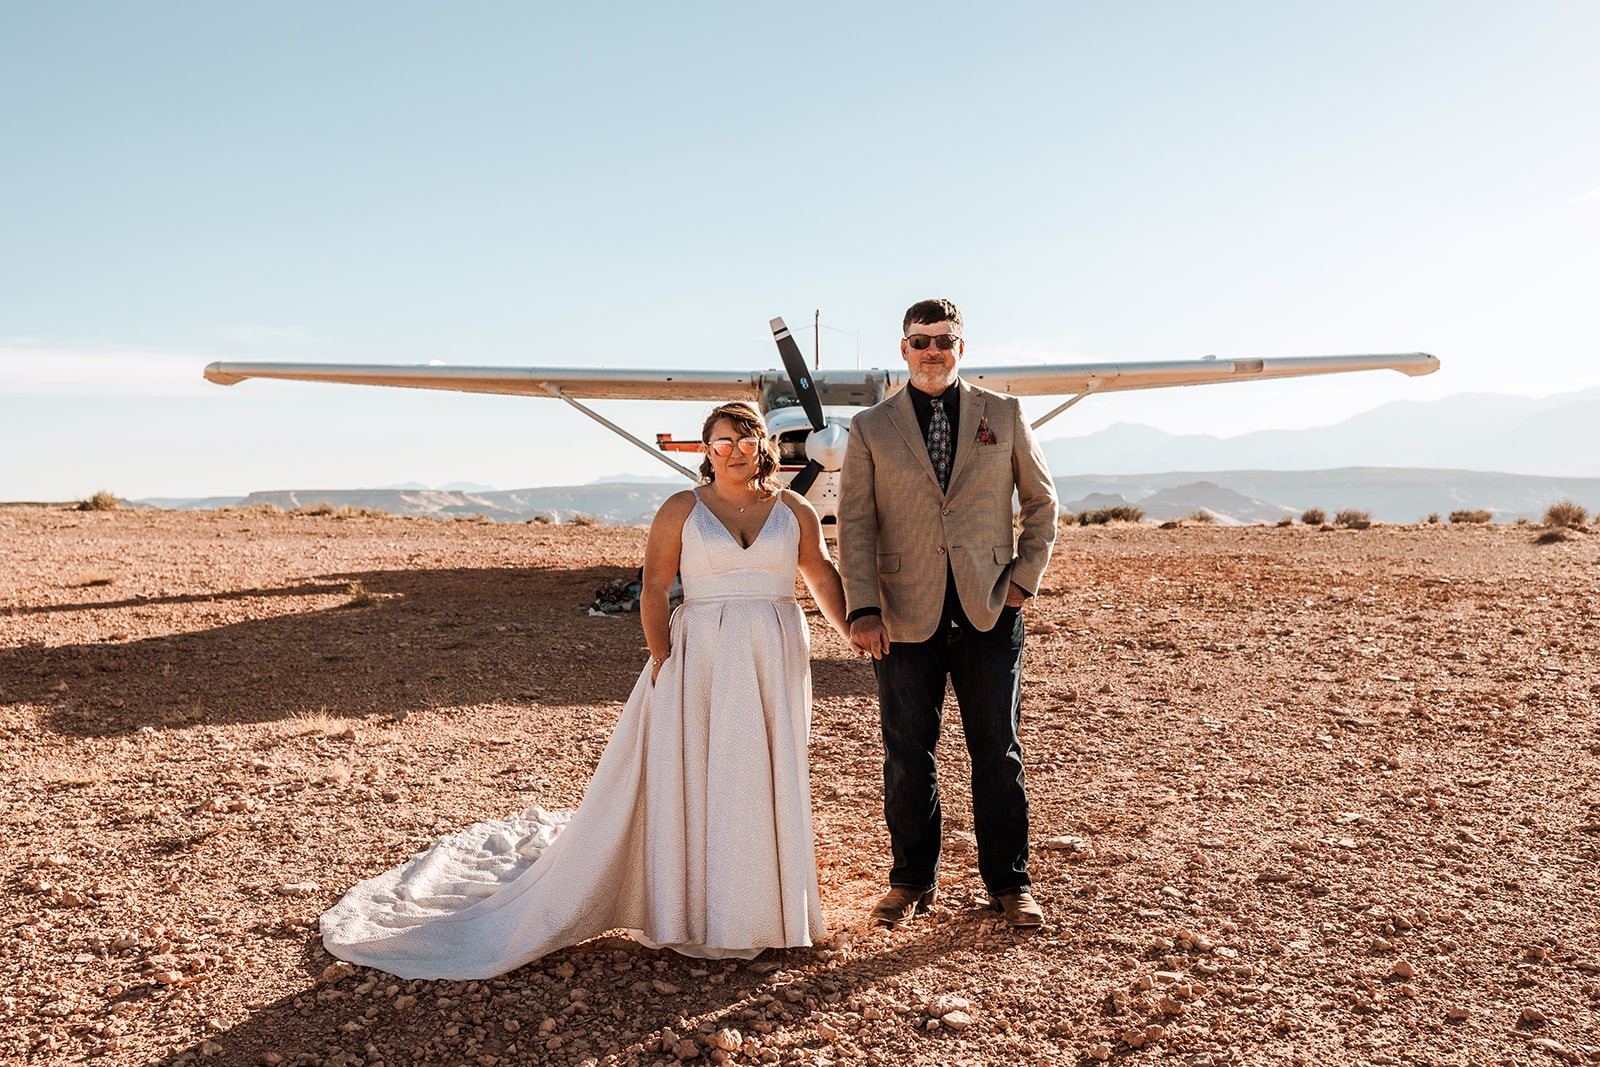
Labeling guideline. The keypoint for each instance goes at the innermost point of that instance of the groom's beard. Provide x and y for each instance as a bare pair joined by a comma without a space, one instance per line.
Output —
933,380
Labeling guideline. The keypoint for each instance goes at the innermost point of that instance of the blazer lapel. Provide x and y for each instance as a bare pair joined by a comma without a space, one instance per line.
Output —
904,417
973,411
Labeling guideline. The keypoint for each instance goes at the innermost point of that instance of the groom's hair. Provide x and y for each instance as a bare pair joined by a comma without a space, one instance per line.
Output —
747,422
927,312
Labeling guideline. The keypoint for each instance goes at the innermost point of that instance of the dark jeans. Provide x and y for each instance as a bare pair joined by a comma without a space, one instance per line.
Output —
985,669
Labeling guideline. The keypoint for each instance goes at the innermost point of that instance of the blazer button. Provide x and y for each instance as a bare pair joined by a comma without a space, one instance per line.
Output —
940,550
944,511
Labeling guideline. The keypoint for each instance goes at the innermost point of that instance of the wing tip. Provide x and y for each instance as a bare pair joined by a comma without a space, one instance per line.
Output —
215,373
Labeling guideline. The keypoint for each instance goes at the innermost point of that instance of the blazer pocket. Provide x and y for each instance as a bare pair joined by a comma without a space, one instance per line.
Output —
1003,555
888,563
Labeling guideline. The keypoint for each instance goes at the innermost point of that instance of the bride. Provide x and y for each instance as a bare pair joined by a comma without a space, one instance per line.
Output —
695,832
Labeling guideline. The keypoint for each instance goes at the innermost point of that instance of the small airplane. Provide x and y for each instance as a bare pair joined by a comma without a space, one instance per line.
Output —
808,413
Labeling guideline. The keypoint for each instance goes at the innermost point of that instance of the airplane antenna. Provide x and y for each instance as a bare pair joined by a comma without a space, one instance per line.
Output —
816,338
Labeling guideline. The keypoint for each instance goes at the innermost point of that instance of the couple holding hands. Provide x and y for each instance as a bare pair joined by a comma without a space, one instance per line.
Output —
695,832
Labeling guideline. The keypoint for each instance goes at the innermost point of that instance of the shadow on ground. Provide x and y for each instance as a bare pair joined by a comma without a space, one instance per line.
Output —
419,639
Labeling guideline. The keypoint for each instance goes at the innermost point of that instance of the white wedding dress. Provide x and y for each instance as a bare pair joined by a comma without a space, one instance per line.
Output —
695,832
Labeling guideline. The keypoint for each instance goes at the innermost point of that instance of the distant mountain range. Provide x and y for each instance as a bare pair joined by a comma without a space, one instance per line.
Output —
1556,436
1513,456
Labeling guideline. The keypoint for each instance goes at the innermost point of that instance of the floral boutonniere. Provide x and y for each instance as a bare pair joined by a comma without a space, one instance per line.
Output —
985,435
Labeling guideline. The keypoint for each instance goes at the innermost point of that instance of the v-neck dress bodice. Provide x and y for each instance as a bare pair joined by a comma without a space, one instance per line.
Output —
695,832
714,566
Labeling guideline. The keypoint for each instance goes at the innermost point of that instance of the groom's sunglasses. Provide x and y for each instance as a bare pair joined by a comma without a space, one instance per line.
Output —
945,341
723,446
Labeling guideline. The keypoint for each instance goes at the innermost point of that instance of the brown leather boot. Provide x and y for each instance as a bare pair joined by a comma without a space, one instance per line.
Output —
899,904
1020,908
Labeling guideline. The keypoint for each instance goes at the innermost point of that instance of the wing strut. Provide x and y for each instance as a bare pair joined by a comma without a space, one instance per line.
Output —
1065,406
555,391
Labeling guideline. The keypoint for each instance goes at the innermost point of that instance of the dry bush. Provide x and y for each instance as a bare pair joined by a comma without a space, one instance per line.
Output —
1470,518
1432,519
1066,518
1115,513
1287,520
362,597
320,722
476,516
540,520
93,578
1313,516
1351,519
322,508
1200,515
101,501
350,511
1552,536
1565,513
583,520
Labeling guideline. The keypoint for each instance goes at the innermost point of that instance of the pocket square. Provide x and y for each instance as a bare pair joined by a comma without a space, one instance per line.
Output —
985,435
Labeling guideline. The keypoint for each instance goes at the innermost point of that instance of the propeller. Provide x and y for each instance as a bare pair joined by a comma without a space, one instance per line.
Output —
806,391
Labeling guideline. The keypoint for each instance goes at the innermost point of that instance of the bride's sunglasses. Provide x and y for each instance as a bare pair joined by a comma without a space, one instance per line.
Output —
723,446
945,341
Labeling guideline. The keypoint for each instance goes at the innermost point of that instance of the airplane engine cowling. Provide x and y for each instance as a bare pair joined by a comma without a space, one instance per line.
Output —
826,446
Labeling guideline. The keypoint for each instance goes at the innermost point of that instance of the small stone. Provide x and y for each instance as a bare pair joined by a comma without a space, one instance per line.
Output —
1534,1015
1457,1012
404,1001
956,1020
730,1040
1403,969
945,1003
1101,1051
666,989
335,972
298,889
687,1049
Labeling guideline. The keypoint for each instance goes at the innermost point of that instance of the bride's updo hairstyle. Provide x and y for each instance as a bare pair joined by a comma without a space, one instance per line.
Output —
747,422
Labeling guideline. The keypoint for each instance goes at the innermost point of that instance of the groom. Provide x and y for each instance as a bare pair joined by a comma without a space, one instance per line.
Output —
936,571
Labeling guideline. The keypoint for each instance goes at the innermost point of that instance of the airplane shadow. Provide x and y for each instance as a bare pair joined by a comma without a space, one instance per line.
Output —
422,639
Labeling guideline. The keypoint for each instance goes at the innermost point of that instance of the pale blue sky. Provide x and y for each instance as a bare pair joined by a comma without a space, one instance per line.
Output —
627,185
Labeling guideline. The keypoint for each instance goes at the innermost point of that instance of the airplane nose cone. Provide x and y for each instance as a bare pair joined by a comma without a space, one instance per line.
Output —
826,446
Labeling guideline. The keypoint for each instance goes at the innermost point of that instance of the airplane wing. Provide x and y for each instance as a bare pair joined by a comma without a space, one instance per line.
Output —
586,383
1051,379
1063,378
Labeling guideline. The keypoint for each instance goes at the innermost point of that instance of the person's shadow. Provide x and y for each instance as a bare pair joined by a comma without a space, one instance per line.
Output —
630,994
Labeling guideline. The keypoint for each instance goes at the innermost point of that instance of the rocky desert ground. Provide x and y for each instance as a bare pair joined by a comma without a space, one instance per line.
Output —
1300,796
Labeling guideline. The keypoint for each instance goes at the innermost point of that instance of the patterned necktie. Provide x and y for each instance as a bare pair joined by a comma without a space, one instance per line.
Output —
939,449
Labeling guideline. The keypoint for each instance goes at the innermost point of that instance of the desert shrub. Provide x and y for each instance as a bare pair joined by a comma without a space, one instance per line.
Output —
101,501
93,578
1287,520
351,511
1565,513
1200,515
581,519
1552,536
542,520
362,597
1115,513
320,508
1313,516
1432,519
476,517
1470,518
1066,518
1351,519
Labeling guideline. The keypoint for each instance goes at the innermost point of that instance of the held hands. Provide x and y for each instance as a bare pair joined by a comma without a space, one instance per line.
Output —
1015,596
869,637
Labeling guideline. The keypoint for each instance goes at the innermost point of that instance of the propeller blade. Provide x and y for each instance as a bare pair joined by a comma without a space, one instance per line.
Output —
799,377
802,481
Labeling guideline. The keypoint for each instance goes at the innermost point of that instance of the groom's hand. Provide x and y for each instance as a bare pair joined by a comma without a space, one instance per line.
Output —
869,637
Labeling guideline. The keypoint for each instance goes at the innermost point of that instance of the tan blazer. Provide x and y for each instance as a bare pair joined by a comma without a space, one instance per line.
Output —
898,533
